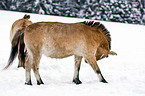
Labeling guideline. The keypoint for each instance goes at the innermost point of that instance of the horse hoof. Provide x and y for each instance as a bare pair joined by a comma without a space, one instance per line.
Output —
39,82
19,66
77,81
104,81
28,83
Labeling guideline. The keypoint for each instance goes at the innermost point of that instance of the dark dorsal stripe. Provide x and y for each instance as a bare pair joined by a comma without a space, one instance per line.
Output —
102,28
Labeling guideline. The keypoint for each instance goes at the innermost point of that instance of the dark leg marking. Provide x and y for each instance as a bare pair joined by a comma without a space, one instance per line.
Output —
77,81
102,78
77,69
29,82
39,82
86,61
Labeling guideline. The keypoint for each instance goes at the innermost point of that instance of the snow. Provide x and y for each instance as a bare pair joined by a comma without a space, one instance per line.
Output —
125,72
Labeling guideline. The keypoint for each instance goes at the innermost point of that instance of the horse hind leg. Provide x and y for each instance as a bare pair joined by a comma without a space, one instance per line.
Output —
28,71
32,62
78,60
96,68
35,67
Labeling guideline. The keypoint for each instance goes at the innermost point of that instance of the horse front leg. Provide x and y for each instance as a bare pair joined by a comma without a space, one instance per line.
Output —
78,60
94,65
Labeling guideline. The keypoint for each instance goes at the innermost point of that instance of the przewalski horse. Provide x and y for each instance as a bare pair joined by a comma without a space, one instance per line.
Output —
17,41
59,40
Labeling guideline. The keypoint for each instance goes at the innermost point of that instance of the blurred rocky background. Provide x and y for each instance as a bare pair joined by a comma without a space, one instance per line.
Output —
124,11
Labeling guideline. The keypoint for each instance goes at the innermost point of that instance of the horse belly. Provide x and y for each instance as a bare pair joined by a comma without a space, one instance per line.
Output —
57,53
62,52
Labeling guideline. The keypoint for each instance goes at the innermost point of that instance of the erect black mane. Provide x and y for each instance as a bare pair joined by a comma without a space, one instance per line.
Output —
102,28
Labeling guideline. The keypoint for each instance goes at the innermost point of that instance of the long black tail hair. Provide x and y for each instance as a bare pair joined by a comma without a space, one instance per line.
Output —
17,48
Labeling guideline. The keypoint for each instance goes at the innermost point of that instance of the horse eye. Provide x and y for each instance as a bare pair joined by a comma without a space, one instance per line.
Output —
102,56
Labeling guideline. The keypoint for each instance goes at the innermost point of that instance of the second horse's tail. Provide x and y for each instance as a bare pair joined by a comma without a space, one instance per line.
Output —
18,48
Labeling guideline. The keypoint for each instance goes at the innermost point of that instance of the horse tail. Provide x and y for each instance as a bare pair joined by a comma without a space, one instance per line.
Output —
18,48
13,54
22,52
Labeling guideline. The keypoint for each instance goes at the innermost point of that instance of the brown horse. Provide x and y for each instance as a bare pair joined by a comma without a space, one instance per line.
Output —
59,40
17,41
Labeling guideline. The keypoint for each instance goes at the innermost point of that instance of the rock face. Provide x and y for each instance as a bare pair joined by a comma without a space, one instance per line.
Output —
124,12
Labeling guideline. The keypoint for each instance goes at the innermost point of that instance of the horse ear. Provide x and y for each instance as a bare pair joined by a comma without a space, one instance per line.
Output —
26,16
112,53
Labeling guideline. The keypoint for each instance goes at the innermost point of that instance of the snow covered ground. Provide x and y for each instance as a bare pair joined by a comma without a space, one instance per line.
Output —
125,72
